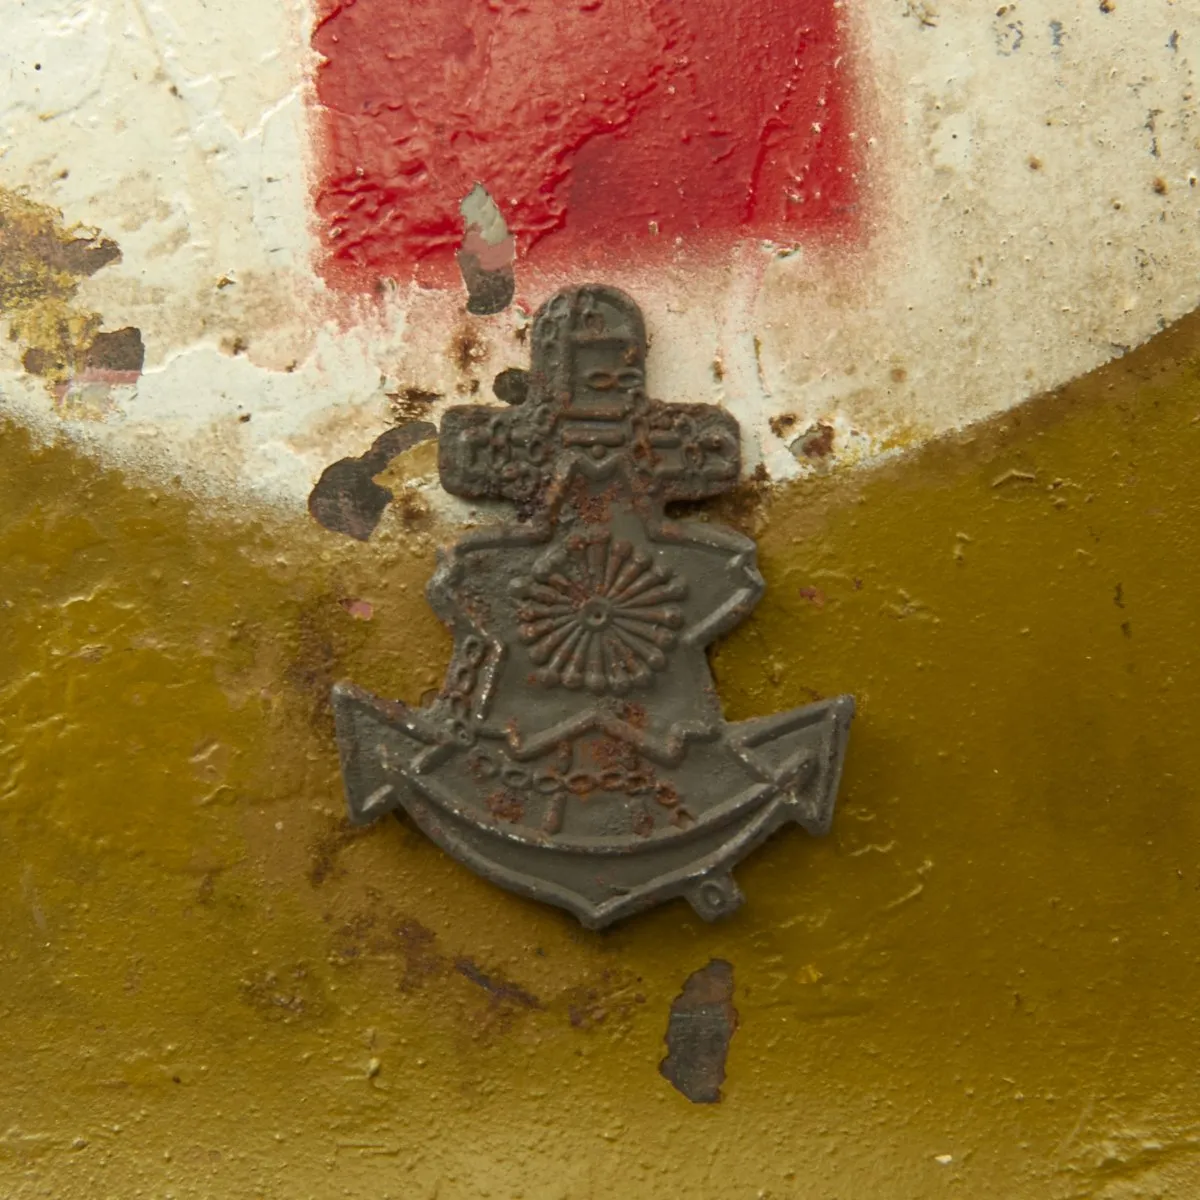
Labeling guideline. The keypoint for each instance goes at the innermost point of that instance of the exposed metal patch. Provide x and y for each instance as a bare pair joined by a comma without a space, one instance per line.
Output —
702,1024
347,499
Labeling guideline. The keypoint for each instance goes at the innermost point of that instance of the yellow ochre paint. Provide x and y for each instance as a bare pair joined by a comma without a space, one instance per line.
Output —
982,984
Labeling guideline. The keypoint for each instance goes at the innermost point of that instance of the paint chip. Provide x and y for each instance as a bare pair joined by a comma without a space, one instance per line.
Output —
702,1024
360,610
815,444
347,499
487,254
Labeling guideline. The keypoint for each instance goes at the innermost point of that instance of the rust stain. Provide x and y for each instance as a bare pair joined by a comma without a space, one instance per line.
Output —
381,935
612,997
467,350
782,424
505,805
702,1024
327,849
502,991
816,442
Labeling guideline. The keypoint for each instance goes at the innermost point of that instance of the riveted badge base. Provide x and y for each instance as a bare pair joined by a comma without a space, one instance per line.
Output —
577,752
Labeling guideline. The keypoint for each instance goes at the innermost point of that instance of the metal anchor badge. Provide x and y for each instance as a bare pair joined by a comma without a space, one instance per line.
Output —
577,752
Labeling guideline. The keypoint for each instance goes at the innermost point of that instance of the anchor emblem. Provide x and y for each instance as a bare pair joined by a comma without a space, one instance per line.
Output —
577,751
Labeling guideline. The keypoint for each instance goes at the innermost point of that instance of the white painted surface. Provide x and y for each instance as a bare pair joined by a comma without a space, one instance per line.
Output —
1015,155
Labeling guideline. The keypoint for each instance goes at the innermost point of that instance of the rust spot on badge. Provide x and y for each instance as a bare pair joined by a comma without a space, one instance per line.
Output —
505,805
702,1024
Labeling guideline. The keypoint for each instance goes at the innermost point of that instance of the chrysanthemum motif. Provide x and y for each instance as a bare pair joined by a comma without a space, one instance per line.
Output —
599,614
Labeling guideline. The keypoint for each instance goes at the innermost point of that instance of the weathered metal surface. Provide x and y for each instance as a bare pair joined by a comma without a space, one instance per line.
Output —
577,752
703,1022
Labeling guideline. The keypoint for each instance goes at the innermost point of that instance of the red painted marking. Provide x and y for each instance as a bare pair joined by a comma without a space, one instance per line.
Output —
602,128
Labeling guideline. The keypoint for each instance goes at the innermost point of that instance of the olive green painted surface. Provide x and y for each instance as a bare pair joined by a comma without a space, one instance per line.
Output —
983,984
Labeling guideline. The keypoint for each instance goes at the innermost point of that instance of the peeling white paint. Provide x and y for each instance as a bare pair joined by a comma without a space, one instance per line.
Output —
1033,210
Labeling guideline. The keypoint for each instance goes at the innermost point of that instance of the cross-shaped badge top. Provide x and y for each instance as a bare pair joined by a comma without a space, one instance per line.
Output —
585,415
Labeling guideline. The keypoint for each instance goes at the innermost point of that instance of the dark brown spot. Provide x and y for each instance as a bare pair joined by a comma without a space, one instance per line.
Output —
38,361
782,424
79,256
702,1023
488,291
1035,163
1107,6
899,374
1160,186
347,499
